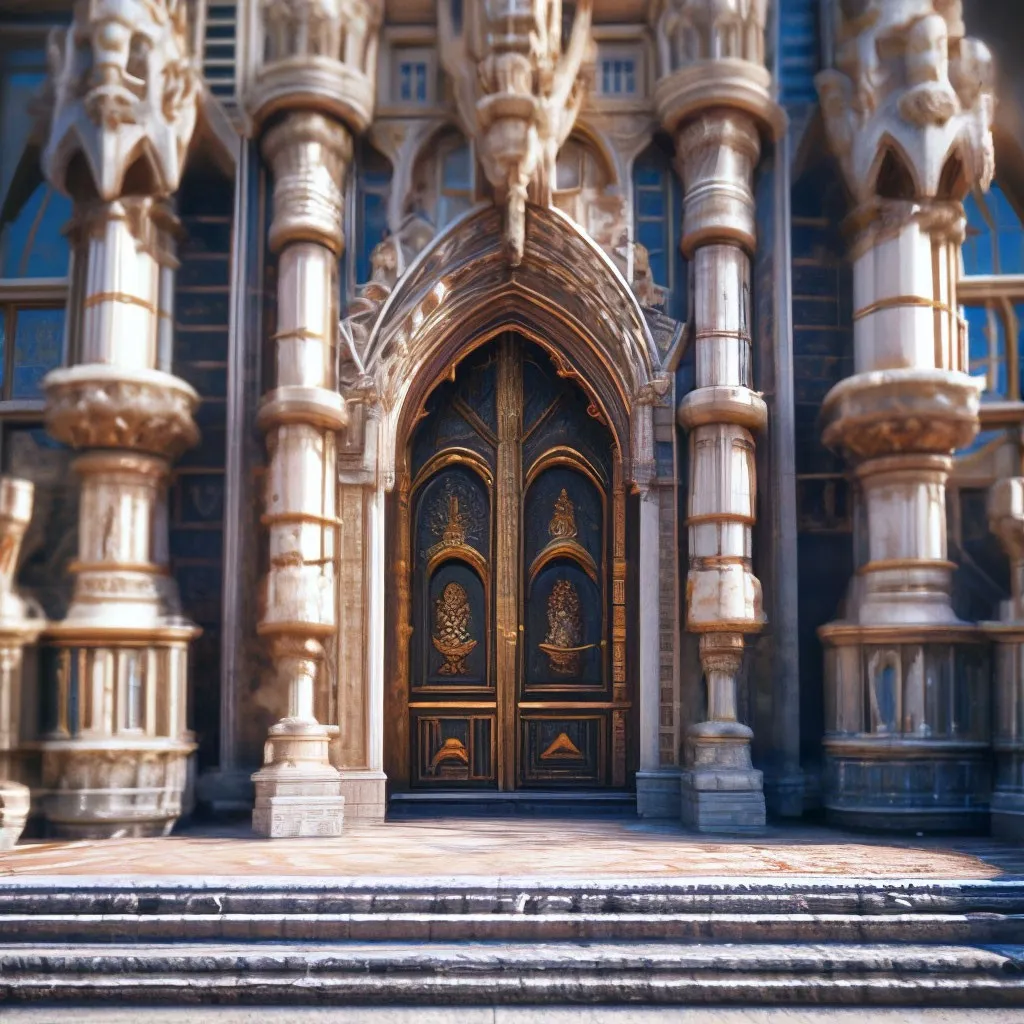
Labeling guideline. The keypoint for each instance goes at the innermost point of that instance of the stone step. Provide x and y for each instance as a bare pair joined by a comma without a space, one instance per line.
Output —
509,910
695,928
903,974
475,894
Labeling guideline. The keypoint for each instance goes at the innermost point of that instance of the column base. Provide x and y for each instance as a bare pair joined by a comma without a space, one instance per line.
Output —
365,793
726,801
298,802
109,789
15,800
657,793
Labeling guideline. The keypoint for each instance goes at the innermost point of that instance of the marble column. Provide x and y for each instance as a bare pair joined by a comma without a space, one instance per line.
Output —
714,97
313,90
907,684
115,756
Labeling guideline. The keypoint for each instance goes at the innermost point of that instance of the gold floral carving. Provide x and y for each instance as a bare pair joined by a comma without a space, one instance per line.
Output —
565,630
452,615
563,522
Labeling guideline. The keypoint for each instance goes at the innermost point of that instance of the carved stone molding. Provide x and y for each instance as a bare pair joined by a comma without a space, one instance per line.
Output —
309,154
518,93
94,406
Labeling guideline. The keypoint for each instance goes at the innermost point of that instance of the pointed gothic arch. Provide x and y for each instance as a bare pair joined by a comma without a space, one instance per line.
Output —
567,296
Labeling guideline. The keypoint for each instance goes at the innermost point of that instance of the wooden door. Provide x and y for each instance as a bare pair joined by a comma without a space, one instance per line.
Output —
516,647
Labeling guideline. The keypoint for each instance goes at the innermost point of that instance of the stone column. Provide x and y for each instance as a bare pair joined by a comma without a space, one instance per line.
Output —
298,791
313,90
20,623
114,761
1006,519
714,97
908,112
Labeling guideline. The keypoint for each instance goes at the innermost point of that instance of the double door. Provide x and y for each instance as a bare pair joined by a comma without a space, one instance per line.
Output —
513,633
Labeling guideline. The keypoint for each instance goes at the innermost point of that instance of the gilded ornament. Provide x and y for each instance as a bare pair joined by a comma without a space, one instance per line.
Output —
563,645
563,522
452,616
453,749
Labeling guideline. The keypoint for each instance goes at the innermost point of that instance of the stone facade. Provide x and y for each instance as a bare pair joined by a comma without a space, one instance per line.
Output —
731,228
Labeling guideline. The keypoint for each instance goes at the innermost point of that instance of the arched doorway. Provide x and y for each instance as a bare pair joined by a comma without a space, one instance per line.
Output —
569,302
509,555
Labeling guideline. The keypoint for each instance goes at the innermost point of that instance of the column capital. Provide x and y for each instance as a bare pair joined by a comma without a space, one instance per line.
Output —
317,55
710,55
908,107
122,95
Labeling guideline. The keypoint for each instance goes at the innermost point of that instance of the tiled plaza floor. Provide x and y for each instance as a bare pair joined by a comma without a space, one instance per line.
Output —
518,847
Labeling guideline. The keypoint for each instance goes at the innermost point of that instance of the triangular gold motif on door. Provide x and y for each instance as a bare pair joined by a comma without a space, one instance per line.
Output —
562,748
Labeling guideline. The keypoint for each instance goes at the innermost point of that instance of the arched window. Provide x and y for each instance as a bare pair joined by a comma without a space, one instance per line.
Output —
657,213
34,254
580,180
992,292
32,243
373,184
443,179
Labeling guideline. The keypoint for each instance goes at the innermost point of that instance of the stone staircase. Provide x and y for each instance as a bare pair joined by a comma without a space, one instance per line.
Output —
478,940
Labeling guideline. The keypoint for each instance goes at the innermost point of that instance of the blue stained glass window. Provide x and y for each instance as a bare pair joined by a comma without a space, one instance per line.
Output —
995,240
986,342
456,175
657,209
38,344
374,184
32,244
456,193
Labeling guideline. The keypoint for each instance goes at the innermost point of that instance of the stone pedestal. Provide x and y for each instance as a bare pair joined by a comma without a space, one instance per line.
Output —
721,791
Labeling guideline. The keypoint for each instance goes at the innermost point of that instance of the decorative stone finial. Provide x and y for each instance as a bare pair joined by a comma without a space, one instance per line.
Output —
122,95
909,105
518,92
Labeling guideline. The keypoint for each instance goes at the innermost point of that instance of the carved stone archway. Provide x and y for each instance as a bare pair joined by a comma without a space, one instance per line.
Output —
566,294
567,297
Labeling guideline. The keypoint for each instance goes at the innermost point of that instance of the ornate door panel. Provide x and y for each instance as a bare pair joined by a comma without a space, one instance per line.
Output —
515,569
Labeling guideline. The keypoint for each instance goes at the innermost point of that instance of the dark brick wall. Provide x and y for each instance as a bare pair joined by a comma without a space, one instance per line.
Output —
823,355
202,303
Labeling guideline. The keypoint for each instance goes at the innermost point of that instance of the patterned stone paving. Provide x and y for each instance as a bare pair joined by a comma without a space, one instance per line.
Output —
438,848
